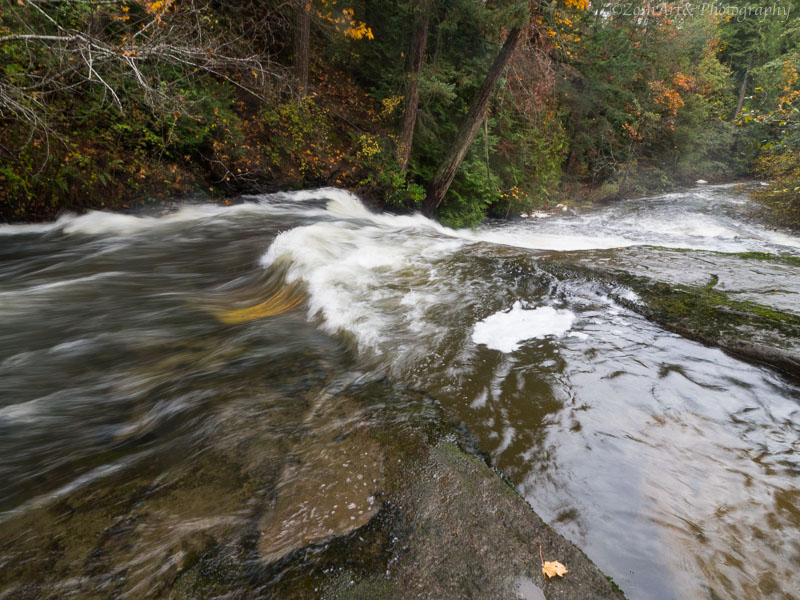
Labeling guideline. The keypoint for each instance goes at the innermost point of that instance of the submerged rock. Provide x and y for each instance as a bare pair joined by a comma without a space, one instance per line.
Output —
327,489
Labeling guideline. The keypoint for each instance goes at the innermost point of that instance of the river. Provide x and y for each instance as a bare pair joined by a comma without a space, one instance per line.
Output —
167,347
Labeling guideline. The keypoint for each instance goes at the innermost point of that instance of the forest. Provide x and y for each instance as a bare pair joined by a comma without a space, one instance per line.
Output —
459,109
391,299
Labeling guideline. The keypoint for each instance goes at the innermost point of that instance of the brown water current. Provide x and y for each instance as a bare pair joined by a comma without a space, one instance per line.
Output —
180,385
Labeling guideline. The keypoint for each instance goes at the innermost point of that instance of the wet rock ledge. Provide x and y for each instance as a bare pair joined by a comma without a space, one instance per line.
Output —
463,532
705,313
372,495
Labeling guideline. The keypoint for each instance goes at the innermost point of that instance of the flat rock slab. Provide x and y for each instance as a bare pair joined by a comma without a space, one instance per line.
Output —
466,533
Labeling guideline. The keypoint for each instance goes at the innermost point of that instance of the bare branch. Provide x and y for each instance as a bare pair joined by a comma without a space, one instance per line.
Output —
157,53
37,37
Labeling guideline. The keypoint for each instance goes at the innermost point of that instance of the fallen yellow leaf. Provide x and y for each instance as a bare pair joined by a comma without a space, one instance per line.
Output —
553,568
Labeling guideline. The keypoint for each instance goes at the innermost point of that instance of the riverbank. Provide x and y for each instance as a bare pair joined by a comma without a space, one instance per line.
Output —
238,144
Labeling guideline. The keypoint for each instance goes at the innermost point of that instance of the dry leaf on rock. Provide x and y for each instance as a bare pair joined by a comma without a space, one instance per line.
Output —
553,568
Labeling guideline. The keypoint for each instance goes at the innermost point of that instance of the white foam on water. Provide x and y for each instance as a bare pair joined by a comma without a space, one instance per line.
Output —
690,231
631,296
505,331
369,275
692,225
699,219
534,240
29,411
782,239
21,228
480,399
340,203
329,194
374,276
622,225
96,222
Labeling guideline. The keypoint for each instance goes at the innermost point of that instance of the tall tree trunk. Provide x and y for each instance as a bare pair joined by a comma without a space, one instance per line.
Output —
743,89
469,128
301,44
411,105
486,141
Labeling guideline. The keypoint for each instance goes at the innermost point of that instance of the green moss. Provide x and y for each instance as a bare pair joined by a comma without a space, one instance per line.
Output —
706,308
614,585
703,313
784,259
700,306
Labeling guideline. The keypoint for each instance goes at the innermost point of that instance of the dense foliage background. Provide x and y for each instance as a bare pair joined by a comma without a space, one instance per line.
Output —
107,102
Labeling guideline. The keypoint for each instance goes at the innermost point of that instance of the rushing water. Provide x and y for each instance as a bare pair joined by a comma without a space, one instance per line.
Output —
128,350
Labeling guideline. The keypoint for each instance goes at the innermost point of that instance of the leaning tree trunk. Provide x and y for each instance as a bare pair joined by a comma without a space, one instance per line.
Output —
301,44
411,104
469,128
743,89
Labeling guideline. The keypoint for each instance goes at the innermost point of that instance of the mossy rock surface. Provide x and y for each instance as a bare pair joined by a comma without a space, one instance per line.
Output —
749,330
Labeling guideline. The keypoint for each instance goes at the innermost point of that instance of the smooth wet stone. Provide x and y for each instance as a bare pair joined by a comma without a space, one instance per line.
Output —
469,534
770,280
703,313
527,590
